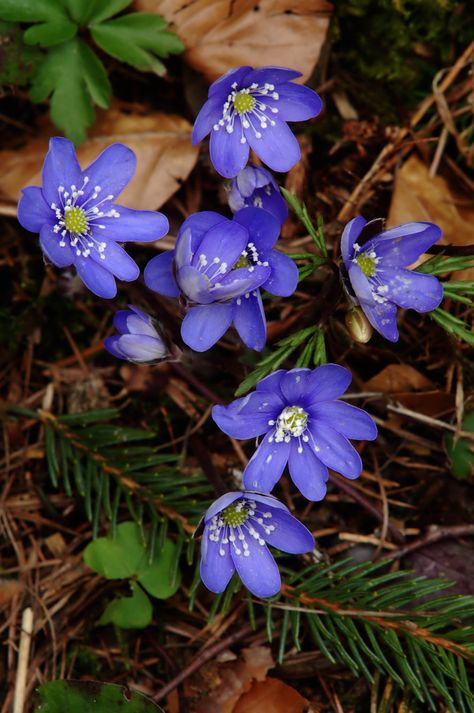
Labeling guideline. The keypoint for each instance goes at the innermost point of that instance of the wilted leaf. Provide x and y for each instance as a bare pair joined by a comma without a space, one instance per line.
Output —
162,143
271,696
221,34
92,697
417,196
398,377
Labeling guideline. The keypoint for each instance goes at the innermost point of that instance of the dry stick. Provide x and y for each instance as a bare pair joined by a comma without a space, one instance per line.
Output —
355,495
23,656
203,657
440,533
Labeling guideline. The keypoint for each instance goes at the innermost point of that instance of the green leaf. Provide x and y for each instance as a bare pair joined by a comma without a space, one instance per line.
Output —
100,10
136,39
92,697
461,453
74,79
157,577
126,555
317,233
51,33
133,612
117,557
31,10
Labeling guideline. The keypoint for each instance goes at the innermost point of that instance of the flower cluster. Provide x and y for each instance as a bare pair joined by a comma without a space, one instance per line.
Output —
218,267
79,222
374,271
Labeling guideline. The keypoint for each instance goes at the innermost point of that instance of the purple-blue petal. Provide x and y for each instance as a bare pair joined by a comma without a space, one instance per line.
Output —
259,571
228,154
383,318
204,325
328,382
60,168
360,284
251,178
307,472
192,232
412,290
33,211
216,569
240,282
403,245
159,275
265,467
263,228
117,261
334,450
248,416
284,276
271,75
271,382
135,225
296,102
211,112
59,256
111,170
96,277
223,84
140,347
349,420
112,346
194,285
277,147
289,535
294,385
223,242
250,322
349,237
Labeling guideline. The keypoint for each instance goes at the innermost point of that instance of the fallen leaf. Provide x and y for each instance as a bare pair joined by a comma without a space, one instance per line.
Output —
235,678
8,589
271,696
398,377
222,34
418,196
162,143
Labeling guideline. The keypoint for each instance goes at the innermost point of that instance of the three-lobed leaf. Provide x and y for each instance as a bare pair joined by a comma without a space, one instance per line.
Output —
133,612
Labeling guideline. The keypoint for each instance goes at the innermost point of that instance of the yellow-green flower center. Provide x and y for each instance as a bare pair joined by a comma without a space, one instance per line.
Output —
234,515
243,102
241,262
367,265
75,221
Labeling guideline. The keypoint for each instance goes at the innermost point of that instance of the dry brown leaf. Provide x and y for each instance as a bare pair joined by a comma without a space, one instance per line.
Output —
9,588
162,143
398,377
222,34
417,196
271,696
235,678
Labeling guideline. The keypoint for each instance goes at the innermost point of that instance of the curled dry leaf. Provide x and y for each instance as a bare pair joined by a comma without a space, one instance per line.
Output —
419,196
271,696
398,377
221,34
162,143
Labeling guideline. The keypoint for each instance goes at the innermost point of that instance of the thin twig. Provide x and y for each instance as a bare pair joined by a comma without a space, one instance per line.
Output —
434,535
23,657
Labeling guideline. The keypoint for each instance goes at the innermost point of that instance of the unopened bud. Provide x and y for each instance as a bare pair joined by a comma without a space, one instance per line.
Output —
358,325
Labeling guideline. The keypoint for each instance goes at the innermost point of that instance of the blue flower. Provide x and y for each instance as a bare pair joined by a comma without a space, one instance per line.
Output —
255,187
77,220
302,424
139,339
237,529
249,108
217,267
374,270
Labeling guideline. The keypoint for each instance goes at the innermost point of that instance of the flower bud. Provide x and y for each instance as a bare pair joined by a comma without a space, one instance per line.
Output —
358,325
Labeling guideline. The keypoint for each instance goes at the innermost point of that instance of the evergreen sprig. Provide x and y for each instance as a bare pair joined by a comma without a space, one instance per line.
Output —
394,624
110,465
69,71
